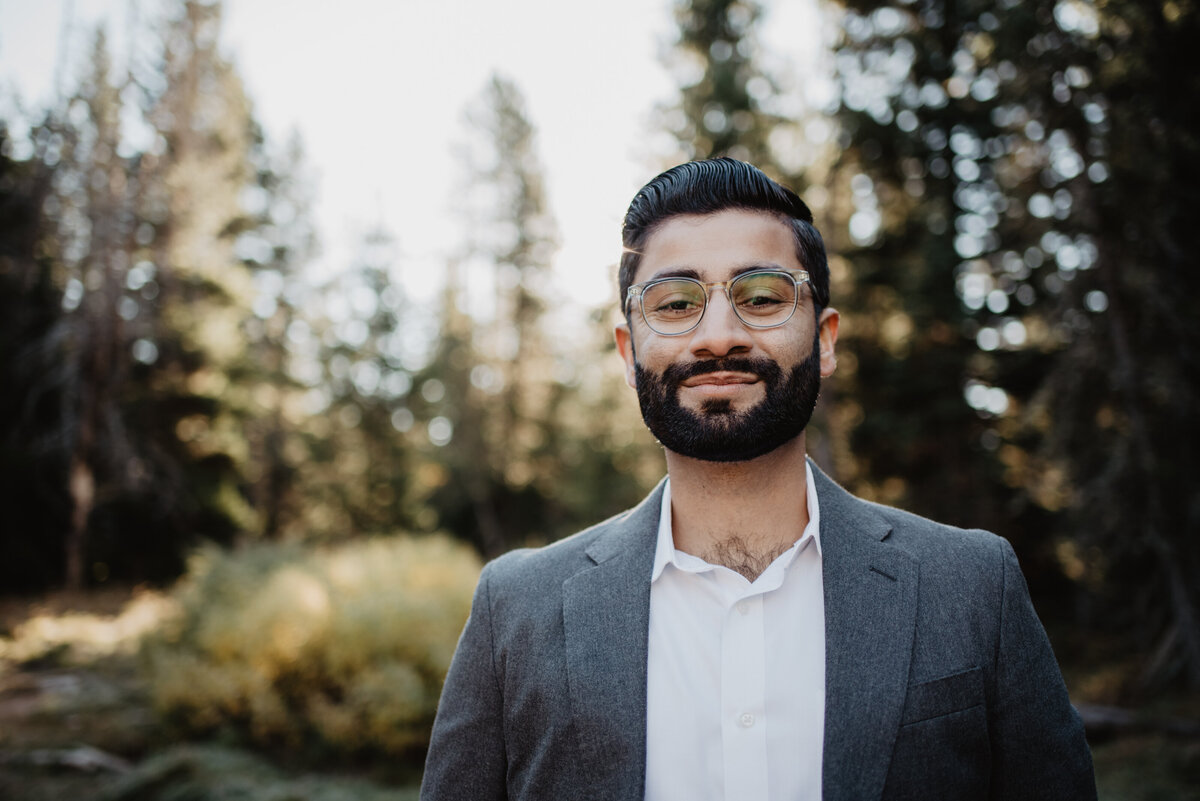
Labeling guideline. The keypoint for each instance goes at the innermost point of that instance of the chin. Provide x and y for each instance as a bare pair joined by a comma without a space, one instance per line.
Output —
720,407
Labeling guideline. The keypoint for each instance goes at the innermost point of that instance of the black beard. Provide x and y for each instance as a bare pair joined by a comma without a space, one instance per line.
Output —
718,433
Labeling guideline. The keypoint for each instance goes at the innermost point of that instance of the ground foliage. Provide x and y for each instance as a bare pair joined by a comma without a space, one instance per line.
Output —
76,721
338,650
203,772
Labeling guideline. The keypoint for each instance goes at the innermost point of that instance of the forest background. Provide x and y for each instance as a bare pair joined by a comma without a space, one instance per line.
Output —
300,476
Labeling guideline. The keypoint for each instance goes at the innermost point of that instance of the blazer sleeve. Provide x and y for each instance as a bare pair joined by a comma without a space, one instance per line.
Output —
1039,748
466,758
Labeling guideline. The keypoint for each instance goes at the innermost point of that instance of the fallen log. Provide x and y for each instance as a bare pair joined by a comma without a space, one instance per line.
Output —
1106,722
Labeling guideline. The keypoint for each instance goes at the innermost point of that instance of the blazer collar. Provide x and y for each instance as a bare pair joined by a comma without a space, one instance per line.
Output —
626,531
606,620
870,622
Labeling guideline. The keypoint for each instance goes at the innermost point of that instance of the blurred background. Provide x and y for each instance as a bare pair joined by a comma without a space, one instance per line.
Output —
306,311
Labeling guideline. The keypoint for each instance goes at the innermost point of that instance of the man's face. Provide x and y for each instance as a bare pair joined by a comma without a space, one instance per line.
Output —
725,392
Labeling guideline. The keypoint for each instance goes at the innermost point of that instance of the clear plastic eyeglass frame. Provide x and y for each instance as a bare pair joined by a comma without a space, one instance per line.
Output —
637,292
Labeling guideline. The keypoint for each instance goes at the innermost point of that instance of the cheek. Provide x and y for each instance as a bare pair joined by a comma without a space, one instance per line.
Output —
791,350
655,352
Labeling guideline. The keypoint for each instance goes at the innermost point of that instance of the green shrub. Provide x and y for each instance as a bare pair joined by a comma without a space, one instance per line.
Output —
344,647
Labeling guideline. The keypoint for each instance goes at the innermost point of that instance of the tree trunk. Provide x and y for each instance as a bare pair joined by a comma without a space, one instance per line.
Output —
83,496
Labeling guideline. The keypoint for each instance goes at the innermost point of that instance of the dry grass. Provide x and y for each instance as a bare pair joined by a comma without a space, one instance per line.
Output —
73,705
78,629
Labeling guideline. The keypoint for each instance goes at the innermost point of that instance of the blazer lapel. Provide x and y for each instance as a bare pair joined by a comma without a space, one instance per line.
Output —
870,622
606,618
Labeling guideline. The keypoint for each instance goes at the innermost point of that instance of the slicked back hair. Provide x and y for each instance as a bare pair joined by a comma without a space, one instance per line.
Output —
710,186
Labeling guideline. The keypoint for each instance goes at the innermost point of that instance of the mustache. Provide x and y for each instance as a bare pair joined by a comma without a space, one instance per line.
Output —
765,369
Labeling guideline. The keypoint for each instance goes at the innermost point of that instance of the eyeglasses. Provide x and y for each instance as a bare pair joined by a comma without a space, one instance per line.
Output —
760,299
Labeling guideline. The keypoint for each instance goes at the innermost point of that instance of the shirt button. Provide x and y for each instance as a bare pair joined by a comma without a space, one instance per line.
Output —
746,720
743,607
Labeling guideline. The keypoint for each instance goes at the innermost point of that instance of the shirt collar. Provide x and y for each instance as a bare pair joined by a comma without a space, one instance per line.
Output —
665,553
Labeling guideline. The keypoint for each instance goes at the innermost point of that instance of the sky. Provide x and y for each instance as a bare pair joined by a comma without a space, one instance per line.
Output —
377,90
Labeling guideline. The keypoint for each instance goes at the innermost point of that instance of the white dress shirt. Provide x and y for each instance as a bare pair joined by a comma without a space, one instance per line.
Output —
736,674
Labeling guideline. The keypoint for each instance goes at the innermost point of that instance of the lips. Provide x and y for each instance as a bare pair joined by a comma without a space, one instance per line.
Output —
719,379
712,374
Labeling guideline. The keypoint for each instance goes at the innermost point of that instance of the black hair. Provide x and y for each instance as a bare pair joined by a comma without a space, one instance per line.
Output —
710,186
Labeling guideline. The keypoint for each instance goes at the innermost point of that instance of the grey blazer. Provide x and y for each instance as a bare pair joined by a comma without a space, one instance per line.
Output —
940,682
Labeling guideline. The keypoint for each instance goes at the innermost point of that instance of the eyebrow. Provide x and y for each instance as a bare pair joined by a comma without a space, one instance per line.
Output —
689,272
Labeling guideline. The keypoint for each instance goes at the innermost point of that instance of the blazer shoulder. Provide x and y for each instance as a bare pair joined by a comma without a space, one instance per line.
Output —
551,564
845,514
933,543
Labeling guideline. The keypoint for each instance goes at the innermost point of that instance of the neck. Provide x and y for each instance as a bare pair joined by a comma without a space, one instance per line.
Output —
739,514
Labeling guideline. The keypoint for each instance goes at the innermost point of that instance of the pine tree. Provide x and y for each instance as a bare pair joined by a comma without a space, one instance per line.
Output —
92,212
196,176
494,376
277,362
131,254
719,112
33,465
359,472
1015,251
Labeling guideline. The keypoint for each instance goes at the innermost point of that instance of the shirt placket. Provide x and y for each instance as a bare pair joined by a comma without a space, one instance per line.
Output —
743,700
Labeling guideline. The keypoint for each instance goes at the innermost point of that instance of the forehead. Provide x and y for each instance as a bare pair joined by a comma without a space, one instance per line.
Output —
716,246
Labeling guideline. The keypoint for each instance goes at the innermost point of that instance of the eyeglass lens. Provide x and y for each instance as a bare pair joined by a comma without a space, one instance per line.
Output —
760,300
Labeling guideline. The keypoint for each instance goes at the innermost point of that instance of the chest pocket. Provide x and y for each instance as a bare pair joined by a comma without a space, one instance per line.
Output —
933,699
942,751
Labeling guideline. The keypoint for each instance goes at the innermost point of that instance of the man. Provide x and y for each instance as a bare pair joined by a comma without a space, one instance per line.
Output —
750,631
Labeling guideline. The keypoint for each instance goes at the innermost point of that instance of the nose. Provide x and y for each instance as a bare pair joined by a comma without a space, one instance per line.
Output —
720,332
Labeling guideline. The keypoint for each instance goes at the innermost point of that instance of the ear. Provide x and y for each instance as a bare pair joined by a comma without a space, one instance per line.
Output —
827,335
625,348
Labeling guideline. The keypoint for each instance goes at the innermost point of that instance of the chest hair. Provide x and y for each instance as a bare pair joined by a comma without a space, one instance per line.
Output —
738,555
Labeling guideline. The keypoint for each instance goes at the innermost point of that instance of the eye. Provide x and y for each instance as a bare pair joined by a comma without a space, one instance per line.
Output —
759,299
673,298
675,304
763,292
